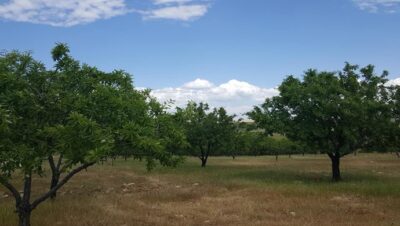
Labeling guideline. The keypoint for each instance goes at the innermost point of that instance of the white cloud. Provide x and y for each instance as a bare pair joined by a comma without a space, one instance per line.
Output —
66,13
394,82
237,97
198,84
179,11
160,2
388,6
61,13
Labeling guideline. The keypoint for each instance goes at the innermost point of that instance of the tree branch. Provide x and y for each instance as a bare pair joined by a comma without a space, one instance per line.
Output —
27,188
59,185
208,150
202,152
51,163
59,162
11,188
69,165
346,153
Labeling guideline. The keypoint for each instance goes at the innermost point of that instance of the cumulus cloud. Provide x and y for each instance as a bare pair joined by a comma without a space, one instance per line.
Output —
198,84
238,97
394,82
388,6
66,13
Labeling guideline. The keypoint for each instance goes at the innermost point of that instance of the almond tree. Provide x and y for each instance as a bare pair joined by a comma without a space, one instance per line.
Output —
396,119
71,117
336,113
206,131
391,132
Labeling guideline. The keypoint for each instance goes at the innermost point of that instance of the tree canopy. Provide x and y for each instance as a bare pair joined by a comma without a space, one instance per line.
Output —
74,115
71,116
206,130
335,113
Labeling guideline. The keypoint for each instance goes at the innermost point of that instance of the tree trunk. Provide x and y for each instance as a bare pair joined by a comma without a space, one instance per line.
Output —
24,218
54,181
203,162
204,155
335,167
23,206
276,157
55,173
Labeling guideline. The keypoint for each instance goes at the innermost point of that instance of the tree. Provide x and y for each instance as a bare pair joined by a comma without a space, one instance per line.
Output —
238,144
277,145
206,131
396,120
337,113
167,127
391,132
71,117
243,141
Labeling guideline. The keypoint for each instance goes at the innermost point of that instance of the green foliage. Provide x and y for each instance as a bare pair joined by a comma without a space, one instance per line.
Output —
334,113
75,110
390,132
206,131
271,146
167,128
23,119
82,140
76,114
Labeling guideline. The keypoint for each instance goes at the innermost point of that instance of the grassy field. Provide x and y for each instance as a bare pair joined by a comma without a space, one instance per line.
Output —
245,191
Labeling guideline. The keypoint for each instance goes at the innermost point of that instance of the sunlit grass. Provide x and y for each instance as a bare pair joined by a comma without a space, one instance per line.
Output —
308,172
254,189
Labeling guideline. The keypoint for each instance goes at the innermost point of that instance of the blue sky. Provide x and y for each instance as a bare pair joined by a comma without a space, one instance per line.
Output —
247,46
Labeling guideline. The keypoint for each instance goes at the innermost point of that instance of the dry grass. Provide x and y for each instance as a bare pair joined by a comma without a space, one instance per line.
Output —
245,191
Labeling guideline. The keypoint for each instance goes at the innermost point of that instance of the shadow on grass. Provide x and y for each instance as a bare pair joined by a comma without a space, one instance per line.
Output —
281,177
362,184
289,176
